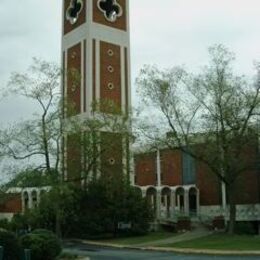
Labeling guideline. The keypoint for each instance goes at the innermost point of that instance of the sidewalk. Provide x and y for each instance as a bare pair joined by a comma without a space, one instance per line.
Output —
175,250
198,233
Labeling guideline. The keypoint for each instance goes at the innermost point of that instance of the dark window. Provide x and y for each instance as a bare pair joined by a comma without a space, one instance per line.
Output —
111,9
188,169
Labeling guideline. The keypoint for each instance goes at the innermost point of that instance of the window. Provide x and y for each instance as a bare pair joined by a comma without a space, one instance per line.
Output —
188,169
111,9
74,10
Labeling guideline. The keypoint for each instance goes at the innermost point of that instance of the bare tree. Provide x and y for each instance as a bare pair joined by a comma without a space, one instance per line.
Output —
37,138
211,116
40,139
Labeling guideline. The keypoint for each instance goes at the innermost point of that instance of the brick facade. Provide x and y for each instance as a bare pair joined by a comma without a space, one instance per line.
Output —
209,186
248,184
111,154
171,167
12,204
97,50
74,78
145,169
110,74
73,158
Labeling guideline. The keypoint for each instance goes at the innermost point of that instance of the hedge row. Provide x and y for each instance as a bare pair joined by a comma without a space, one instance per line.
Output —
44,245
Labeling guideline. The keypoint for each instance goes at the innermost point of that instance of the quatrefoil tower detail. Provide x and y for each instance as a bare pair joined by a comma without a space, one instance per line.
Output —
111,9
74,10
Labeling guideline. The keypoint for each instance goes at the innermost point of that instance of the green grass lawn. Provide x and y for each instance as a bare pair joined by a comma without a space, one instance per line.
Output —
153,236
221,242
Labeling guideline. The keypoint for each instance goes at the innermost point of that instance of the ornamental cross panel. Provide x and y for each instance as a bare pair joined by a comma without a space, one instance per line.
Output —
111,9
74,10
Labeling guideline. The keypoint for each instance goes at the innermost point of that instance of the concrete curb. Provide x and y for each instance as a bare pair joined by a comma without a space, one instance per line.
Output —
174,250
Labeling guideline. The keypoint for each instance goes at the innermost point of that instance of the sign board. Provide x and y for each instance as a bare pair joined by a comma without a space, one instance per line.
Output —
124,226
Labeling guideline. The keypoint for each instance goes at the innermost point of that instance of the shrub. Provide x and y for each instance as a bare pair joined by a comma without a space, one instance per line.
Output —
4,224
11,246
43,232
245,228
44,244
183,223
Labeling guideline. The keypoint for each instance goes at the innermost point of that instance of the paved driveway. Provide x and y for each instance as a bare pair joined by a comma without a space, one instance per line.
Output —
97,253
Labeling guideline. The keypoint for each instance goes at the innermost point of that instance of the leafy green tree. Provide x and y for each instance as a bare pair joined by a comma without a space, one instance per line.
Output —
96,210
212,116
32,178
39,139
106,203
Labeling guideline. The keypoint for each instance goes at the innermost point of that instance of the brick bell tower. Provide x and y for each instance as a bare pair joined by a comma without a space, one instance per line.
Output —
96,43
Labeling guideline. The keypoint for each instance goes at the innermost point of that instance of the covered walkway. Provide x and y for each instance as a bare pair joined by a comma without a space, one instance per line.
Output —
170,202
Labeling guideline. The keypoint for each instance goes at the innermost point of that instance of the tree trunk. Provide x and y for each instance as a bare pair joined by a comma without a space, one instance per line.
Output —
57,225
232,210
45,144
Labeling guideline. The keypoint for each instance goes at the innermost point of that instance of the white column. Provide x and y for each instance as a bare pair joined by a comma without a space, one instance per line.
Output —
186,202
158,172
38,197
198,201
30,200
179,202
158,204
224,197
172,204
152,201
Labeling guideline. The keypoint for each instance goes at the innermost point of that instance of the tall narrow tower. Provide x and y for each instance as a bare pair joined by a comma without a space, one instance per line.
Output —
96,43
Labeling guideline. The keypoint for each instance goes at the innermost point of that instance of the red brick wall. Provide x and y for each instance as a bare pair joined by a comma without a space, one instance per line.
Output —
171,167
73,158
111,154
12,205
208,185
74,78
107,77
247,187
145,169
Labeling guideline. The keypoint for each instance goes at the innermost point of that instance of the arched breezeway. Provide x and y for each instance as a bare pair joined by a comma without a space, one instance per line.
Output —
193,201
180,199
151,195
31,197
166,197
172,201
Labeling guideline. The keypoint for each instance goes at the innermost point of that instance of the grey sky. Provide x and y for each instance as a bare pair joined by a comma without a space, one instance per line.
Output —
167,33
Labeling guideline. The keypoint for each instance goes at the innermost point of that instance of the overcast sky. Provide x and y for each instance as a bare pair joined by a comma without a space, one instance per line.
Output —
166,32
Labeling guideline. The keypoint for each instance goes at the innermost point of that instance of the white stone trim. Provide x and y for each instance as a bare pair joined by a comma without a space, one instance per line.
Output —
89,76
129,77
247,212
7,216
122,69
96,31
98,94
82,76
